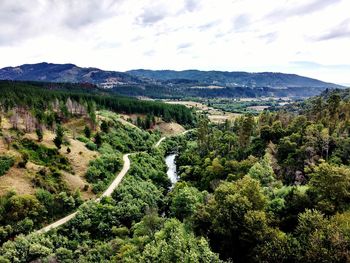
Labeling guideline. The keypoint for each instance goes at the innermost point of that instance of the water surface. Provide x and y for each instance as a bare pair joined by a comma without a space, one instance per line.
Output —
171,172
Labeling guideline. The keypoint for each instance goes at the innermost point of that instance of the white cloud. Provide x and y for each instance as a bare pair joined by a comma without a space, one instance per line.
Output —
251,35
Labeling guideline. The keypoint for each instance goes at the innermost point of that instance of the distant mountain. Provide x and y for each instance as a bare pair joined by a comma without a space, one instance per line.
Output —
173,84
233,79
49,72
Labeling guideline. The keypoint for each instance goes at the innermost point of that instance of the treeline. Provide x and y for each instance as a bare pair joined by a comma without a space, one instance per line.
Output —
39,98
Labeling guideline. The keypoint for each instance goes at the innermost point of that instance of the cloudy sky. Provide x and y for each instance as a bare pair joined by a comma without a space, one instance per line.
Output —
307,37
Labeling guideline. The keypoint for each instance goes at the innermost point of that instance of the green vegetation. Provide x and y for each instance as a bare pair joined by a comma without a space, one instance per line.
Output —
253,106
278,185
42,155
6,162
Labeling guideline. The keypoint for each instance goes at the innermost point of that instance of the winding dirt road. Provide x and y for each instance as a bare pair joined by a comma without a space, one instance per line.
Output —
108,192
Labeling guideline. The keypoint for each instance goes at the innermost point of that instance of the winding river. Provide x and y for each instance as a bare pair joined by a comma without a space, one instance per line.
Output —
171,172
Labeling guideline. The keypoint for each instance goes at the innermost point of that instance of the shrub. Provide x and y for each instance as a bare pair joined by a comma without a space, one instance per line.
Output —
91,146
83,139
6,162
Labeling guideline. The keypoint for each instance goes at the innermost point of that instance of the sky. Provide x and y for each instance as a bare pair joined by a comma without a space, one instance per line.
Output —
306,37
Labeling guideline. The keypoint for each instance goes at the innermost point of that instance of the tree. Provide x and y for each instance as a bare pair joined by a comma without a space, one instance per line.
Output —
203,135
234,217
185,202
87,132
8,140
330,188
98,139
104,126
58,140
175,243
325,138
263,172
39,134
323,239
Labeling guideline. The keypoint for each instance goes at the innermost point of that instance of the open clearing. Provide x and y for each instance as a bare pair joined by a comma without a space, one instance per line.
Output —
214,115
169,129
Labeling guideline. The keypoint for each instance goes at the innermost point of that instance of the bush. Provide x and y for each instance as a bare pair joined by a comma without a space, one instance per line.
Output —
42,155
6,162
91,146
83,139
102,170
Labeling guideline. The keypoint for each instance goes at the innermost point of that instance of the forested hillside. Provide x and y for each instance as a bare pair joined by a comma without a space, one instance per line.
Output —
44,99
231,79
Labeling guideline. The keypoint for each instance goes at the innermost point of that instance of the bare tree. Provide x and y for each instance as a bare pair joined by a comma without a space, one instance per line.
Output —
8,140
14,119
29,122
70,106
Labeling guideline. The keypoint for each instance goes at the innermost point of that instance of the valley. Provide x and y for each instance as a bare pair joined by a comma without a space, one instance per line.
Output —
191,131
92,177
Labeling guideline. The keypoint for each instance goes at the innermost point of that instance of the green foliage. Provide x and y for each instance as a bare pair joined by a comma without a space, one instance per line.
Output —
58,140
135,197
269,189
91,146
39,134
102,170
330,188
234,217
174,243
263,172
185,202
6,162
41,155
50,180
98,139
87,132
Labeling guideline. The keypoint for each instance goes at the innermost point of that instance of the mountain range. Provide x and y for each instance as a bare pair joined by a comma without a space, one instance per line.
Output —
163,83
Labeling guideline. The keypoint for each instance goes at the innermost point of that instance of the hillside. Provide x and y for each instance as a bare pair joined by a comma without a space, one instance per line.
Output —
65,73
59,148
173,84
232,79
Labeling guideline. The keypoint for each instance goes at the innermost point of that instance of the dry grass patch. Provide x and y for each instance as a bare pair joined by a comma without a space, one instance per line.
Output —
47,141
18,180
76,125
169,129
79,158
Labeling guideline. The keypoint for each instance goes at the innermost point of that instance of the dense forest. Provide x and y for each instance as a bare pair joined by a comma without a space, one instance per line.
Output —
278,184
47,98
267,188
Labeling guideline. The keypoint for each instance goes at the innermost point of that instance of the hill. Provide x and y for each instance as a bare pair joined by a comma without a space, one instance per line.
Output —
232,79
65,73
173,84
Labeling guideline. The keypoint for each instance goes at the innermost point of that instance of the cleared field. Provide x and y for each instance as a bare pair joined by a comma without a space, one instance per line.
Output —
258,108
214,115
169,129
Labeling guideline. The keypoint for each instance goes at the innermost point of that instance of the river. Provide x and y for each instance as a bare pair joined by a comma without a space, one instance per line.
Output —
171,172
